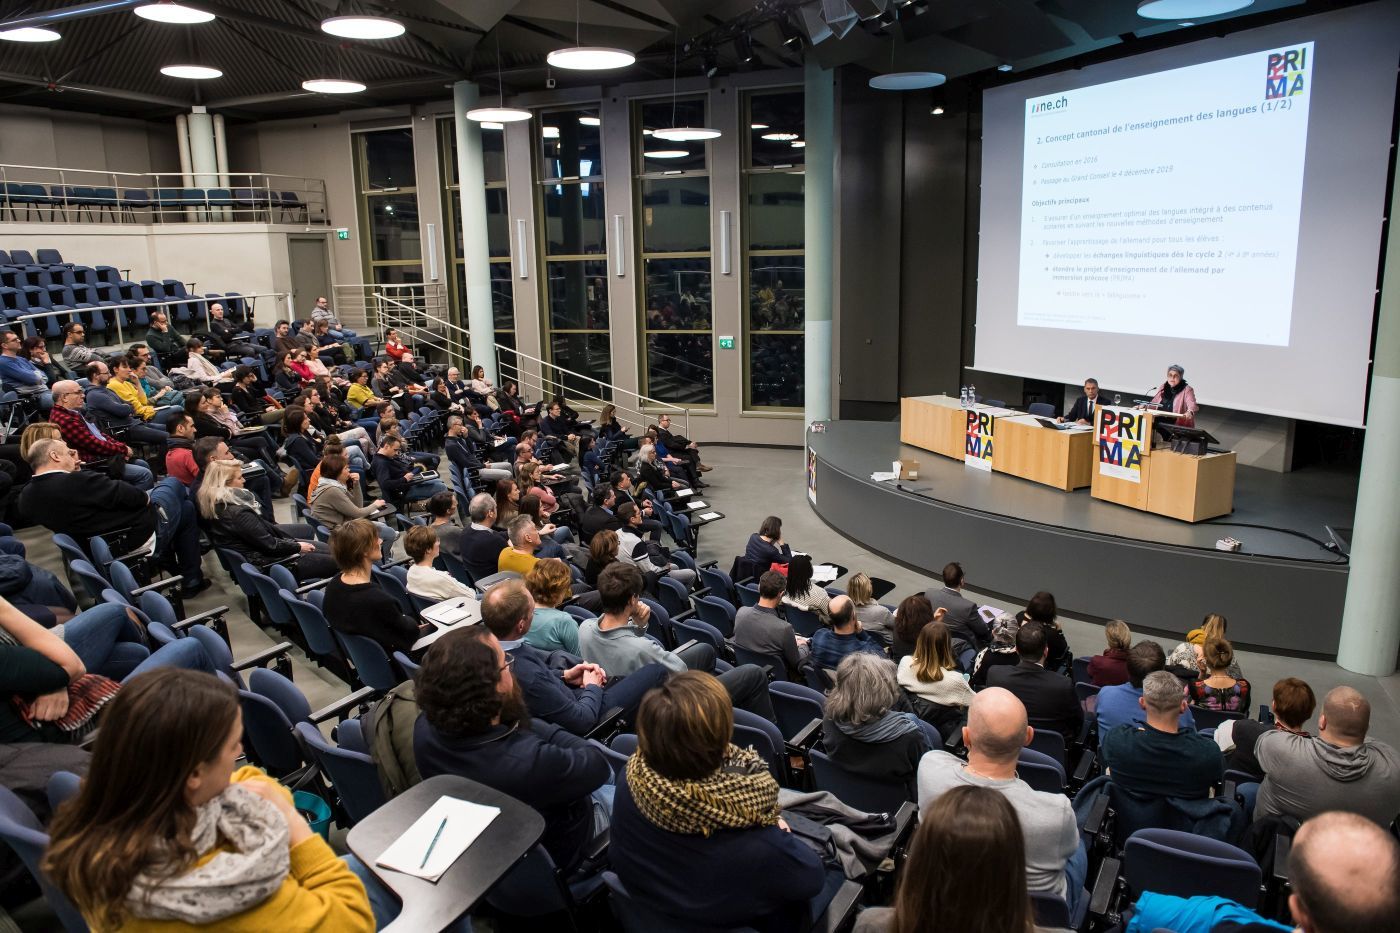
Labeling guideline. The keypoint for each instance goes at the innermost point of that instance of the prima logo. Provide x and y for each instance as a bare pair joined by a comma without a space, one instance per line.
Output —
1285,74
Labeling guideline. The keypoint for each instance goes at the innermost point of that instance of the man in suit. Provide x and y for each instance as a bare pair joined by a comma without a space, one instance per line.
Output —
1049,697
1082,412
964,624
480,543
600,514
679,446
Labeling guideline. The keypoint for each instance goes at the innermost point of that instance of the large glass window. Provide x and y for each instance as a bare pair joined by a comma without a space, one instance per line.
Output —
774,314
388,188
673,202
574,249
493,147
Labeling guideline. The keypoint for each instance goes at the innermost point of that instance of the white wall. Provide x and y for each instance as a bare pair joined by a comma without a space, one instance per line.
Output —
35,136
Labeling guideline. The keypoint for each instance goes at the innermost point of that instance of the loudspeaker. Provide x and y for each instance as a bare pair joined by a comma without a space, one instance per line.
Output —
839,16
810,21
869,9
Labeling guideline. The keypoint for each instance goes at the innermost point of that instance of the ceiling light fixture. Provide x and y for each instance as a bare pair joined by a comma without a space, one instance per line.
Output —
1189,9
1004,66
362,27
549,132
588,57
192,72
332,86
907,80
500,113
758,126
799,144
166,11
667,154
780,137
681,134
30,34
710,63
590,121
936,110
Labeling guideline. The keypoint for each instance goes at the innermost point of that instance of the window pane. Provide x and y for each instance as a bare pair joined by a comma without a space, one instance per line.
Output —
574,219
578,295
570,148
657,115
675,215
586,354
388,159
776,115
502,296
493,153
680,368
678,294
497,223
506,360
776,292
775,211
400,275
393,221
775,370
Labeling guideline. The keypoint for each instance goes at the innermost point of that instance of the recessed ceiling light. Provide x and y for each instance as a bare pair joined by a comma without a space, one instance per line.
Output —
686,134
590,58
362,27
168,12
332,86
1004,66
758,126
30,34
590,121
799,144
498,115
780,137
907,80
666,154
549,132
193,72
1189,9
937,110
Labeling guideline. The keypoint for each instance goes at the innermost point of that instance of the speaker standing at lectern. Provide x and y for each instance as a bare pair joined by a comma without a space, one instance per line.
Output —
1175,395
1084,407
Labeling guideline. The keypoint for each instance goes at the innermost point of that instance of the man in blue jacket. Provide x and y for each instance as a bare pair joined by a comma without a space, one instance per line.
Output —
116,415
20,376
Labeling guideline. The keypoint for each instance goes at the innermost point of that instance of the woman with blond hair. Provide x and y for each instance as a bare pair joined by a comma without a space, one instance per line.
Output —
1111,668
931,672
1190,654
874,618
35,432
234,521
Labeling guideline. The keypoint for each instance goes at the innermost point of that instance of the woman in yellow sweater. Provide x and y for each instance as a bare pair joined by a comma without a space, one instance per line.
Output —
166,836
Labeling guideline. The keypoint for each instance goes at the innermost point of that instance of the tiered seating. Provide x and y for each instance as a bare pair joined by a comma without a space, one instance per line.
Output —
97,203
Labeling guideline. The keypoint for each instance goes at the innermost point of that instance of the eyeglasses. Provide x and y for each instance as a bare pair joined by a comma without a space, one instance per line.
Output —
510,663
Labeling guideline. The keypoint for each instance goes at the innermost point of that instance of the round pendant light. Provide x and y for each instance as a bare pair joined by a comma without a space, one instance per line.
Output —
1189,9
363,27
590,58
30,34
193,72
686,134
907,80
498,115
666,154
332,86
779,137
166,11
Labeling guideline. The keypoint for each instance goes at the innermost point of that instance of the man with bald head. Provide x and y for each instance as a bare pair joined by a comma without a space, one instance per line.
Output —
90,441
830,645
1338,769
996,731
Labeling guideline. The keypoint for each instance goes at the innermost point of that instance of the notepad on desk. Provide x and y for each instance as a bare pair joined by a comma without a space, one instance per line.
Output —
708,516
824,573
685,492
411,854
697,504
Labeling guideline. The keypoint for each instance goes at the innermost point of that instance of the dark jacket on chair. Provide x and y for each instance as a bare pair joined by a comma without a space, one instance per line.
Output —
1049,697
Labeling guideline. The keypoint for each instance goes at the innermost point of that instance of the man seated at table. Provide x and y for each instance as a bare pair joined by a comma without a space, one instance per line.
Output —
1082,412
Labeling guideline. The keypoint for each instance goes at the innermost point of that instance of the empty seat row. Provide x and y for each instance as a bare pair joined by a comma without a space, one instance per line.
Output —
82,199
103,304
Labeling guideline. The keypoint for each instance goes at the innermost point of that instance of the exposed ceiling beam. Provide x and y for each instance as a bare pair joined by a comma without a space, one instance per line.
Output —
47,17
99,91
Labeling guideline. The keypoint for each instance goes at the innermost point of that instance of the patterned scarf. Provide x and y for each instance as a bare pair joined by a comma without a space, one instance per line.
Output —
740,795
252,863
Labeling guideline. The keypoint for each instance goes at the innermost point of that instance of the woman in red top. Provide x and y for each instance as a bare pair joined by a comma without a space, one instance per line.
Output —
1111,668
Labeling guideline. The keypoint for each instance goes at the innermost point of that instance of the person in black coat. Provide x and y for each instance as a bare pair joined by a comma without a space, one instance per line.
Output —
355,603
1049,697
234,523
766,546
481,544
601,514
1086,406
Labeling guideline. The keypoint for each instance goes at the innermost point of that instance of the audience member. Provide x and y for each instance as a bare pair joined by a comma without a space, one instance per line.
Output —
76,353
931,672
338,497
1049,697
519,555
113,414
1111,668
996,731
20,376
236,523
1218,690
759,628
1002,650
475,723
179,450
830,645
1338,769
551,629
967,627
425,580
696,830
1189,655
864,733
910,617
167,832
442,518
397,476
355,603
481,544
91,442
1292,707
1041,608
966,871
766,547
1119,705
803,593
649,557
602,552
875,620
1159,758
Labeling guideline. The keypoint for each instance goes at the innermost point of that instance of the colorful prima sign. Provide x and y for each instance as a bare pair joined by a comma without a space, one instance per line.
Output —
1121,435
978,452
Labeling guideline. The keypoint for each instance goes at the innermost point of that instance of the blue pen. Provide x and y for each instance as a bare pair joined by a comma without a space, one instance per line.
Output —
432,845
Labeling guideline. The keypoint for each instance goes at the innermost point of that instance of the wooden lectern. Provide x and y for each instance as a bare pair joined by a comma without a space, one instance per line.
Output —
1183,486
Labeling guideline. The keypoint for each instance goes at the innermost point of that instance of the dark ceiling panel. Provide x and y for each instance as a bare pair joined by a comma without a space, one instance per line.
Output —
1013,29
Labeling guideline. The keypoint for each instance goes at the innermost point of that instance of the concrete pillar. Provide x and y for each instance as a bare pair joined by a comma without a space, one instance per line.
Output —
820,158
471,193
1371,619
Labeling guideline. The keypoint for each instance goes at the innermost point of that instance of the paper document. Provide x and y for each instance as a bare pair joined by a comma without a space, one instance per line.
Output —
682,493
884,477
499,441
697,504
711,515
823,573
465,821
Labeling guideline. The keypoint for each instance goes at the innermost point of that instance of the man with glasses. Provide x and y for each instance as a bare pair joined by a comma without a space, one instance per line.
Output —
118,416
20,376
91,442
76,353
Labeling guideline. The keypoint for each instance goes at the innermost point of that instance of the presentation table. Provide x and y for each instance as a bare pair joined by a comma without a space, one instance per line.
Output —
1189,487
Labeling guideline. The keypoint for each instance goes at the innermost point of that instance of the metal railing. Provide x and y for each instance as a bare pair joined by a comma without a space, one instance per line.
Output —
160,197
76,313
356,307
538,379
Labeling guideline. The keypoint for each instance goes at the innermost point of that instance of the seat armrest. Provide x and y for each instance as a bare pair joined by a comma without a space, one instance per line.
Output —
262,657
340,707
707,564
906,819
1097,816
678,616
841,909
313,585
1083,769
1283,847
1105,884
702,591
157,586
607,724
806,737
202,618
679,648
400,563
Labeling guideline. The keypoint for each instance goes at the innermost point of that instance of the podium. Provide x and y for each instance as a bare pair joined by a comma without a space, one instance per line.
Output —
1188,487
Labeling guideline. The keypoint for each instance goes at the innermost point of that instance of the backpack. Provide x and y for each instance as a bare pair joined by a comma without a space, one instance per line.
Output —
390,739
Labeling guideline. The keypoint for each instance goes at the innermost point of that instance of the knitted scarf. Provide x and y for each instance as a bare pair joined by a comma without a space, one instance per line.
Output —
740,795
252,863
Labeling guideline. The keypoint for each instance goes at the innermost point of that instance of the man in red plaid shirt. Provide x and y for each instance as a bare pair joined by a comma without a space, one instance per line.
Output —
89,440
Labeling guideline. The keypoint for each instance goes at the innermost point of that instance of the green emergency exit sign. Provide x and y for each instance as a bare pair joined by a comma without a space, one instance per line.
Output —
342,233
726,343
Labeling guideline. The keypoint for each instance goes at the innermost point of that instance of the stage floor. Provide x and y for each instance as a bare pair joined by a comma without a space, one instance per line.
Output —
1301,502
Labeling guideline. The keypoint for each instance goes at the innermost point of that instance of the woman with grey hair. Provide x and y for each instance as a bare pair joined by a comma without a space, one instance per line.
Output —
868,728
1002,650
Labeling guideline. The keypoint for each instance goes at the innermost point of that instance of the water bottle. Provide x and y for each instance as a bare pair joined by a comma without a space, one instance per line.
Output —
971,396
962,397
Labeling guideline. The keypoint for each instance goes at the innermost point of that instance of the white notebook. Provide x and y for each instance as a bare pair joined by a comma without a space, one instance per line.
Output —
465,821
697,504
685,492
710,515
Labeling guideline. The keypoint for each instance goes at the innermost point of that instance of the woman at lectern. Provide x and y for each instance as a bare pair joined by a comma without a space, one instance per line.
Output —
1175,395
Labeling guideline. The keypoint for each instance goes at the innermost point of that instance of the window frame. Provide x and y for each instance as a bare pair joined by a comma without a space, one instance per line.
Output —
364,197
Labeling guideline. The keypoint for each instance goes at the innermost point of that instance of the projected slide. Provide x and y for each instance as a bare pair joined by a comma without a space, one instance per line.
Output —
1168,204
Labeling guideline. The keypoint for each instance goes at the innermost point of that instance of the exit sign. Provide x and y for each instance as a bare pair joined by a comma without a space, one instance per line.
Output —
342,233
726,343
